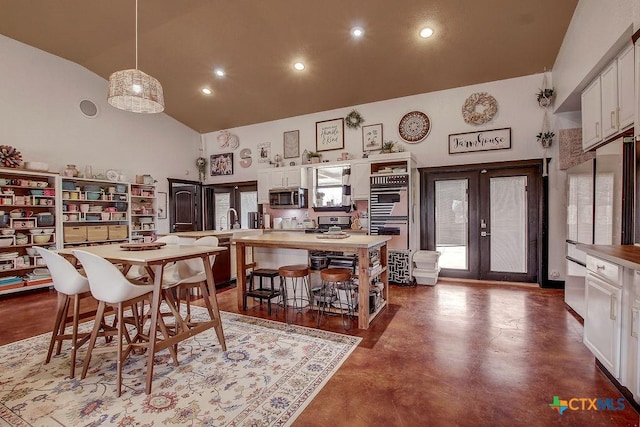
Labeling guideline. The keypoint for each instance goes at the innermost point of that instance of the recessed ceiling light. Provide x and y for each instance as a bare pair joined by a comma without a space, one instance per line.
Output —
357,32
298,66
219,72
426,32
206,91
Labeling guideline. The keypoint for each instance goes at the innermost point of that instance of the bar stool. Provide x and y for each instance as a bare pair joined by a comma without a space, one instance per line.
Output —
336,291
262,292
298,277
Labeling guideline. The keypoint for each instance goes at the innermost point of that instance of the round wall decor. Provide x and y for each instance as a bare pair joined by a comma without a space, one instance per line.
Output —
414,127
477,116
353,120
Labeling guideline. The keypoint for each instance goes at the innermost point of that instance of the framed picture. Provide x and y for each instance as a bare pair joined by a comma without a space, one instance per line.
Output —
222,164
264,151
372,137
494,139
162,205
291,144
330,135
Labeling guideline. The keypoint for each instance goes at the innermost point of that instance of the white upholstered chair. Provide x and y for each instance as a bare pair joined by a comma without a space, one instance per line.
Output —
111,288
71,287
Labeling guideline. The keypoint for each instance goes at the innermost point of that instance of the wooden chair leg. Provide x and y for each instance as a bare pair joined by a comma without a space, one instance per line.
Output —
119,344
63,325
60,314
74,334
92,341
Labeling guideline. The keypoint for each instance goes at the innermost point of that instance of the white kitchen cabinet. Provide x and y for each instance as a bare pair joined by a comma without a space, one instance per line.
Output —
608,103
286,177
360,185
634,350
626,88
609,97
591,115
264,182
603,313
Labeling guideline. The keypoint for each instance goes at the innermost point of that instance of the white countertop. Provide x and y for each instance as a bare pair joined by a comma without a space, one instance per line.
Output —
311,241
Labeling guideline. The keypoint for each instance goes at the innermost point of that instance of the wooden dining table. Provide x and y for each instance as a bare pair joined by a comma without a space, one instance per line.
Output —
154,260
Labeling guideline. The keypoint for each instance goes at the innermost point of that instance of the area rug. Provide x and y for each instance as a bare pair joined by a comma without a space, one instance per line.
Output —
268,375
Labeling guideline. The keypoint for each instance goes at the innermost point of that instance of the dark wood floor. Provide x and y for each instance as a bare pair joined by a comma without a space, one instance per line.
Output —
454,354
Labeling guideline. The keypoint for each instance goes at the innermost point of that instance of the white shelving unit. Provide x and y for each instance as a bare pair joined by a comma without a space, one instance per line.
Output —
144,213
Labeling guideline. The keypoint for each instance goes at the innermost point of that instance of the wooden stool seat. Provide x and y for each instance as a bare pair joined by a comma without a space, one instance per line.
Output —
335,274
298,270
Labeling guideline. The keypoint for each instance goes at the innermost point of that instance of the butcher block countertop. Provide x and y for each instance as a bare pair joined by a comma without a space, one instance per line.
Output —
624,255
311,242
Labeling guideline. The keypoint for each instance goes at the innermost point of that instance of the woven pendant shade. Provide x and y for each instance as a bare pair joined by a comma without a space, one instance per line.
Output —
135,91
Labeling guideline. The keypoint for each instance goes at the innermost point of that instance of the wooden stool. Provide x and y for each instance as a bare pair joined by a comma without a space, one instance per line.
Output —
298,277
262,292
336,282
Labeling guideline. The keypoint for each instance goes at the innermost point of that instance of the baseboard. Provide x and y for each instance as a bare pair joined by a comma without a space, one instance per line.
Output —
552,284
626,393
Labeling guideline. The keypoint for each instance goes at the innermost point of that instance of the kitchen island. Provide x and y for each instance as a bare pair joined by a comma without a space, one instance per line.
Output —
361,244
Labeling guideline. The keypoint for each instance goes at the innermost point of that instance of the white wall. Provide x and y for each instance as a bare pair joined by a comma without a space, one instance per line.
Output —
39,115
517,109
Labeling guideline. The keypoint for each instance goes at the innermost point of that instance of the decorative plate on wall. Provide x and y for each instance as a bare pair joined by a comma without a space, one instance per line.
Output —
414,127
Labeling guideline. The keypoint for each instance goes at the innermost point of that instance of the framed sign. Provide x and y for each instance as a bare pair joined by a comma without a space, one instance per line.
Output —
330,135
291,144
222,164
162,205
495,139
372,137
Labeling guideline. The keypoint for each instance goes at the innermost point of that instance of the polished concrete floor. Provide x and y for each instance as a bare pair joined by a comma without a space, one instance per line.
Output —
467,354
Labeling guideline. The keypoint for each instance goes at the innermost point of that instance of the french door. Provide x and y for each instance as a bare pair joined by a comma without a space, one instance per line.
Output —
484,221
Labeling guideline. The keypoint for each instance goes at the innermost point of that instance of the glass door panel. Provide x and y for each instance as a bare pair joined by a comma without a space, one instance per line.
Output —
508,235
451,223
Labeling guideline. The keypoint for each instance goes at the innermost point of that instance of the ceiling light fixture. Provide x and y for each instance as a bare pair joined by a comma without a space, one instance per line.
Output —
357,32
298,66
134,90
206,91
426,32
219,72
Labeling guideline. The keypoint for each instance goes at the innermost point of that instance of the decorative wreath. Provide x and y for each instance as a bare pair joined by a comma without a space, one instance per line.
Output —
201,164
474,117
353,120
10,157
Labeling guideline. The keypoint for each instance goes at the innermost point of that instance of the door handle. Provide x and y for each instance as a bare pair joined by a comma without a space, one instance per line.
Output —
612,308
613,119
634,321
484,234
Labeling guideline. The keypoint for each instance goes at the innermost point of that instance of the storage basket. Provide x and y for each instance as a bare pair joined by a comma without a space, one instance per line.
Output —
97,232
75,234
118,232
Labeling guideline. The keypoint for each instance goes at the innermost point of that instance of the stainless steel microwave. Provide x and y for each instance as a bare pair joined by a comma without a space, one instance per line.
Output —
288,198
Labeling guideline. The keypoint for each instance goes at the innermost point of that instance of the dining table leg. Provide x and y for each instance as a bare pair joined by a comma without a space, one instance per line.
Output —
241,276
153,328
213,301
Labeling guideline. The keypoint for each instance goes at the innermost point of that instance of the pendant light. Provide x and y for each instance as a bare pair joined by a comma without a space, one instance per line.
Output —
134,90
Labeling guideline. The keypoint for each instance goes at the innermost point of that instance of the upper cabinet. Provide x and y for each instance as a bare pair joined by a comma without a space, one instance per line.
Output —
608,102
291,177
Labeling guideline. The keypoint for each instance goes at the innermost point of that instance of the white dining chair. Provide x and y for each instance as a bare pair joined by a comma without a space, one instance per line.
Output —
111,288
138,272
71,287
190,274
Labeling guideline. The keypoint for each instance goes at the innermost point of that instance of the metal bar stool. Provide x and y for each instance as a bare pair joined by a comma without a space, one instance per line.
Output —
262,292
298,277
336,292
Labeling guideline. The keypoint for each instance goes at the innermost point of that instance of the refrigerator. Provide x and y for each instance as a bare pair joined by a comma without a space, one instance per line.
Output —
594,214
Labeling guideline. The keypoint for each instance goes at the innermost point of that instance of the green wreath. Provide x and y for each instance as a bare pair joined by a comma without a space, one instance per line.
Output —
353,120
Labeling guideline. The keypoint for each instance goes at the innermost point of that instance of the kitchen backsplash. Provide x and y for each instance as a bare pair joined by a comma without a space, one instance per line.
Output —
301,214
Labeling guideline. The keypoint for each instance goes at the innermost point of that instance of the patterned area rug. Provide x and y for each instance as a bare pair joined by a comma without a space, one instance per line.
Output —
267,376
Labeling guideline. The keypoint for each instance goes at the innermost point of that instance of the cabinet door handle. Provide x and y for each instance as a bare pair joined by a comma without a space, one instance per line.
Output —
634,321
612,308
613,119
618,117
599,267
597,130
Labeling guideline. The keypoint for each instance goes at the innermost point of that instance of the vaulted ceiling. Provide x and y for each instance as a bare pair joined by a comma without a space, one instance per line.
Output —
256,43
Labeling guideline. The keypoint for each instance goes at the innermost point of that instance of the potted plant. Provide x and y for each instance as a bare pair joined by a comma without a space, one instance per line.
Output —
544,96
545,138
388,147
314,157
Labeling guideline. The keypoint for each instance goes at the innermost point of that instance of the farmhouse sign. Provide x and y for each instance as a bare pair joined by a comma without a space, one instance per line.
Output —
495,139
